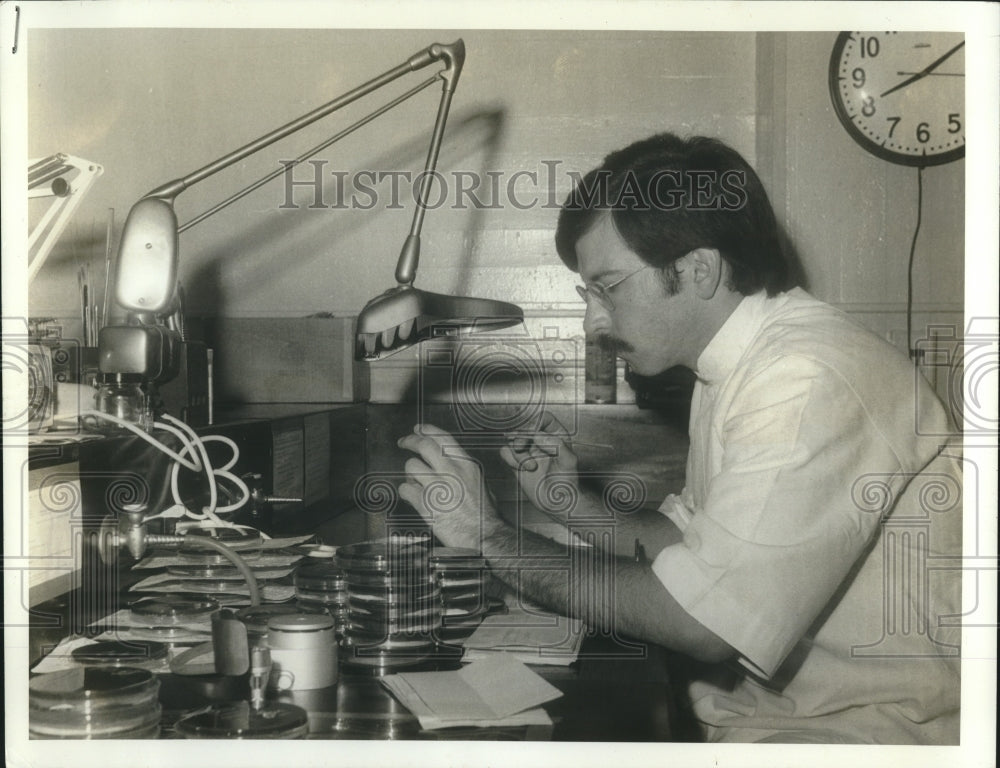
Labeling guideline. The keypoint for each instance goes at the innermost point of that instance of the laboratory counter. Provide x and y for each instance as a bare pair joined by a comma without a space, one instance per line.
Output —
616,690
624,699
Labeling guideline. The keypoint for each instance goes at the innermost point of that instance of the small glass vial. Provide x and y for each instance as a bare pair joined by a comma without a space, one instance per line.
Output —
126,400
600,384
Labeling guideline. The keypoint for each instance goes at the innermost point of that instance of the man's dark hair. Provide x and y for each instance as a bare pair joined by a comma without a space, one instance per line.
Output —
668,196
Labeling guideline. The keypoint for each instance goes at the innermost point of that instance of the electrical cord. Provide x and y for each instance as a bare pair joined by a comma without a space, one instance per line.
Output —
228,441
193,446
139,432
224,472
211,511
909,269
240,485
195,465
213,491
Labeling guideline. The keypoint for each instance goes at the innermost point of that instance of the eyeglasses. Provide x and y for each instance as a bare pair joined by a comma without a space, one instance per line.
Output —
602,292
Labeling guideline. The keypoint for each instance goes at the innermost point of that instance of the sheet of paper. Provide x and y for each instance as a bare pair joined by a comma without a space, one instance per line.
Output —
534,638
537,716
129,627
506,685
165,578
123,618
279,559
534,657
271,593
272,554
441,694
489,691
406,695
285,541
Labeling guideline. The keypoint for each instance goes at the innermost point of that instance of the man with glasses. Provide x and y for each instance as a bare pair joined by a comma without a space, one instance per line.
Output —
772,565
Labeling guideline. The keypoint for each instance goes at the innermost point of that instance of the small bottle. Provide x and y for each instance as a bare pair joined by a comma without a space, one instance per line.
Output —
124,398
601,372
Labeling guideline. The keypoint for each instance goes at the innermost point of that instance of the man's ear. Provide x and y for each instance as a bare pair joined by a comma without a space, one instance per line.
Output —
706,267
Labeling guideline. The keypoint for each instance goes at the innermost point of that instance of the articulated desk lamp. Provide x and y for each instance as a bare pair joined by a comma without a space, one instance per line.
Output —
136,357
147,347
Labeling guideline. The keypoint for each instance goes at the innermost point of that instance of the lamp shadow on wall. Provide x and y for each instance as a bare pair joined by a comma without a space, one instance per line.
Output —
465,136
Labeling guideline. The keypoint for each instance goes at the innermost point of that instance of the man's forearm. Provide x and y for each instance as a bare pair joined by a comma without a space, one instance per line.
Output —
607,592
618,532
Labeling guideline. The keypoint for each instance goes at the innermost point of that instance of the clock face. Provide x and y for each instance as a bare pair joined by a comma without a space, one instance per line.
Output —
901,95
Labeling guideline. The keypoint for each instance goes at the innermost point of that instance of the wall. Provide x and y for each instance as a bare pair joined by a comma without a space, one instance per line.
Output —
527,102
151,105
850,215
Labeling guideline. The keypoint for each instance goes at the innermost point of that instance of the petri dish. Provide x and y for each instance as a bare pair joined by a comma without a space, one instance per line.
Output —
402,649
236,586
390,596
461,558
231,537
211,558
319,578
172,610
395,611
205,571
120,653
410,580
238,720
94,703
383,556
358,628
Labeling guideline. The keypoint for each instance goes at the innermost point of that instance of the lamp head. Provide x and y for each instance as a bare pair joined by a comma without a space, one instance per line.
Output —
404,316
146,272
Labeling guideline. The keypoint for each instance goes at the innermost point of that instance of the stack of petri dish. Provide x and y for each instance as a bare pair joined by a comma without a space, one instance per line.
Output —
461,575
322,585
94,703
393,603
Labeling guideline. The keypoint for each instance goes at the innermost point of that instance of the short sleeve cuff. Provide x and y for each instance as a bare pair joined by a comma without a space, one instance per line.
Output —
676,511
691,583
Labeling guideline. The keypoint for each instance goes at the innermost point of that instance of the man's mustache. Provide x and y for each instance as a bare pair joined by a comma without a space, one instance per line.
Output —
613,344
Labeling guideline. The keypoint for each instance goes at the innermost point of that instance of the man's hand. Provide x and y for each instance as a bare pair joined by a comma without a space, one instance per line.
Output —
545,466
445,485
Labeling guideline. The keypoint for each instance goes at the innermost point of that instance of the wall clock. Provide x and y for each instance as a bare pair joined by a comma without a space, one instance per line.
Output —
901,95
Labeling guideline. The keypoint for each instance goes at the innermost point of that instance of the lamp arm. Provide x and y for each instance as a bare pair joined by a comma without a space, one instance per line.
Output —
409,256
453,55
288,164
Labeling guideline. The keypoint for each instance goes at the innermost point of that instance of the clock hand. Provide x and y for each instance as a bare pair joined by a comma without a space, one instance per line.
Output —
924,72
935,74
